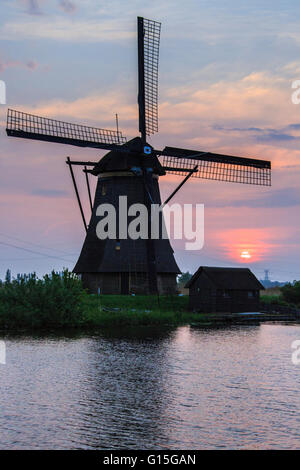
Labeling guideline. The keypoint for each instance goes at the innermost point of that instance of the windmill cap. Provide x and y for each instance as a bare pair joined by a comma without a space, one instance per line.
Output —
125,161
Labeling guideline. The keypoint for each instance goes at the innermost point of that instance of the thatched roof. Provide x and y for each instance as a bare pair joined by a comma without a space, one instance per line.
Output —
228,278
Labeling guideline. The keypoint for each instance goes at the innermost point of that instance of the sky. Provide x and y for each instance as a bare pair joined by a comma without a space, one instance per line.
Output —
225,85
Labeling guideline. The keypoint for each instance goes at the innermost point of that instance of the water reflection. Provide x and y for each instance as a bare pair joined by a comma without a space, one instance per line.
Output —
151,388
127,374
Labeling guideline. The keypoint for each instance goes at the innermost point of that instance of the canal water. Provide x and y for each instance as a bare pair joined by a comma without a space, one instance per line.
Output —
179,388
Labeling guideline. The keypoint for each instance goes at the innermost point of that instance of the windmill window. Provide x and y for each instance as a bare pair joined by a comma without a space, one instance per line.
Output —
118,245
104,190
251,293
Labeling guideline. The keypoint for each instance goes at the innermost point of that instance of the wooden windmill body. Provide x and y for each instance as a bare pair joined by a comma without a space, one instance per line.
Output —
121,265
118,265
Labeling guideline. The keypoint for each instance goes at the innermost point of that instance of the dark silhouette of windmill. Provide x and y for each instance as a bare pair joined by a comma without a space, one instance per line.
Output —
123,265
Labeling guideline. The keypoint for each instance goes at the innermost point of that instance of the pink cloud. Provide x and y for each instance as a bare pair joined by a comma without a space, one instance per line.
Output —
221,117
6,64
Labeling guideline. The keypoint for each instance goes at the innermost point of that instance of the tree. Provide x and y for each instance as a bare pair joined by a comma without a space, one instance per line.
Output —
184,277
291,292
8,276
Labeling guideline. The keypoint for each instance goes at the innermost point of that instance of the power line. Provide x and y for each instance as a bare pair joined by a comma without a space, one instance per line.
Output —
35,252
35,244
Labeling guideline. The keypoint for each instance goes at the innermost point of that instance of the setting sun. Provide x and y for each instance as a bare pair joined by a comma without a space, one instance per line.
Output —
245,245
245,255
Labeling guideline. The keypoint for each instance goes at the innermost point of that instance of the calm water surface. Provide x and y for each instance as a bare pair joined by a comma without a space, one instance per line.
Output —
181,388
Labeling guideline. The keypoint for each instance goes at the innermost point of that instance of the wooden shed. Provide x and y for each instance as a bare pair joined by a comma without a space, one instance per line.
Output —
224,290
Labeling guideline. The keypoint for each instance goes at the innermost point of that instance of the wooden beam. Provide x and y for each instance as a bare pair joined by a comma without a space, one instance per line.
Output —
68,162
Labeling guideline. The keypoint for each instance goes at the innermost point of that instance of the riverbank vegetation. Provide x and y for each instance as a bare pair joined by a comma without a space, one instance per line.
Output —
287,295
58,300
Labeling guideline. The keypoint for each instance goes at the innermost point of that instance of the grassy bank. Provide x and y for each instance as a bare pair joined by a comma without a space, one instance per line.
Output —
59,301
137,310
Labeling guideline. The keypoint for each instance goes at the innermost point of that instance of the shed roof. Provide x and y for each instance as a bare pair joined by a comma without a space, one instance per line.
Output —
228,278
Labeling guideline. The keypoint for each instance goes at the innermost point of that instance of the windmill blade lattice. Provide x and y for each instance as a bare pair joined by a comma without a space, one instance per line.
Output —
217,167
28,126
148,42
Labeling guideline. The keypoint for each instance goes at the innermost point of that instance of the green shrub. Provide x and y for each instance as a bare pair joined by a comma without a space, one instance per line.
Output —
291,293
59,300
53,300
272,299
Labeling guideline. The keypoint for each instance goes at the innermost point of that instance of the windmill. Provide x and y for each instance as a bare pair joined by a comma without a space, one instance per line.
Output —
132,169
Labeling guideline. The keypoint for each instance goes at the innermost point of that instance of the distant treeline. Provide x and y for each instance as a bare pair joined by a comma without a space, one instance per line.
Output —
269,284
291,293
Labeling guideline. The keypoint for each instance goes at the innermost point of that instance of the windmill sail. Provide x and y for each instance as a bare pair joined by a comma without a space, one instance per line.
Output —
28,126
216,166
148,56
